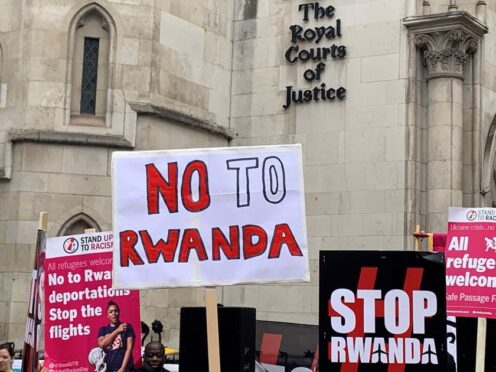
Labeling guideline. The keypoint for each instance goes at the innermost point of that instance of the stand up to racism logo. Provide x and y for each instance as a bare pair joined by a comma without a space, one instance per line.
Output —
71,245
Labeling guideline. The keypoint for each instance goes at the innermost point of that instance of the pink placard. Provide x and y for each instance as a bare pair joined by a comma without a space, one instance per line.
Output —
471,262
77,289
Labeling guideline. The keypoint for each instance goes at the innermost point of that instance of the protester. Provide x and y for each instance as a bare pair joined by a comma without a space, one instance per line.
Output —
154,358
6,357
117,340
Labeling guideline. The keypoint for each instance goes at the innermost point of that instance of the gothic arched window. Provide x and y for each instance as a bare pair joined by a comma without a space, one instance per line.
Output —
92,34
77,225
488,176
3,91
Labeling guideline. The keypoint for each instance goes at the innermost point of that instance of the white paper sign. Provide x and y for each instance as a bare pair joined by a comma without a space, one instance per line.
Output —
206,217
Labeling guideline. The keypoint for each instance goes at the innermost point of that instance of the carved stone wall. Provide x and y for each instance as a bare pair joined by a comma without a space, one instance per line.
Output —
446,43
445,53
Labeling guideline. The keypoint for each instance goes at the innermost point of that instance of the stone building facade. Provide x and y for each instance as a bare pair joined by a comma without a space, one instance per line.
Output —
393,102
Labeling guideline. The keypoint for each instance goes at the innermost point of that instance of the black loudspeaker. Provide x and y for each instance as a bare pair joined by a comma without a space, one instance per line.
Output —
236,339
466,344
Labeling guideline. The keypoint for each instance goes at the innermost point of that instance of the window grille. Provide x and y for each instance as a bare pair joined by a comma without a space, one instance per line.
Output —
89,79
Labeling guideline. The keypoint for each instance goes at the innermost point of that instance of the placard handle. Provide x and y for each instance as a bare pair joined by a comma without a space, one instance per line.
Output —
480,353
212,329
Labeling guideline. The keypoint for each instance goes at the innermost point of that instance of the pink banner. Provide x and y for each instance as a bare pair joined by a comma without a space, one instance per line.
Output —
78,288
471,262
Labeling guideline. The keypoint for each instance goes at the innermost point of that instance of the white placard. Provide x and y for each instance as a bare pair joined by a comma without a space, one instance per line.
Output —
81,244
205,217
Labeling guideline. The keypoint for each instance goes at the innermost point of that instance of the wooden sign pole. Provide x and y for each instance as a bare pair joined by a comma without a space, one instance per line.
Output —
212,330
43,221
480,351
30,352
417,242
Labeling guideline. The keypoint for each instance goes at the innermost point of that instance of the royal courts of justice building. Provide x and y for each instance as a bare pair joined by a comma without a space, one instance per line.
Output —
393,101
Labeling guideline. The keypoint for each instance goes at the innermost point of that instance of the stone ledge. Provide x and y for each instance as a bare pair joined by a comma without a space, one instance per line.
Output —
69,138
183,118
53,137
446,21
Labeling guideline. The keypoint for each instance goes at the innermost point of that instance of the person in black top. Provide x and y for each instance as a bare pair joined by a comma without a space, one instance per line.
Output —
154,358
117,340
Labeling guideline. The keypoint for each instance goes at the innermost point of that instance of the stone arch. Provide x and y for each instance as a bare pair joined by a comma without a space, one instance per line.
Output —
91,22
1,63
488,181
77,224
3,92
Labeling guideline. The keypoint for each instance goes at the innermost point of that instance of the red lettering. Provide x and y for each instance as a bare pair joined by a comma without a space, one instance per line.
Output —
255,242
192,240
156,183
219,241
167,249
250,248
128,240
204,197
283,235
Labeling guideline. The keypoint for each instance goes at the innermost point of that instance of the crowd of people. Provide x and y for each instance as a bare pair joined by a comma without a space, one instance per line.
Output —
116,340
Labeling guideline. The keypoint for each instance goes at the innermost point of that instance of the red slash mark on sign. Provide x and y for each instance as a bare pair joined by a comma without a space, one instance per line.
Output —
412,283
367,280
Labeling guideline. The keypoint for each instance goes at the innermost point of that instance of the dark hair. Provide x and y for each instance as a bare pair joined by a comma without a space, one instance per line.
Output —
9,346
112,303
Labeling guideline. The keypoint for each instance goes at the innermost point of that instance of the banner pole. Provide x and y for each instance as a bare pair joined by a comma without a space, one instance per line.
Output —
212,330
430,242
43,221
417,244
480,354
30,352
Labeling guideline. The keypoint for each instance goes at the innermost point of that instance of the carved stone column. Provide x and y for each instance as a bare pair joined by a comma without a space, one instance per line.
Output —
446,41
445,54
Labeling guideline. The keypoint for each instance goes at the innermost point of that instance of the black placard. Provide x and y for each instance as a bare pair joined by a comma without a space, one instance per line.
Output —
382,311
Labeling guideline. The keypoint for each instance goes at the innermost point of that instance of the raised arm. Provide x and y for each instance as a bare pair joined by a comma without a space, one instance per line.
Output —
108,339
